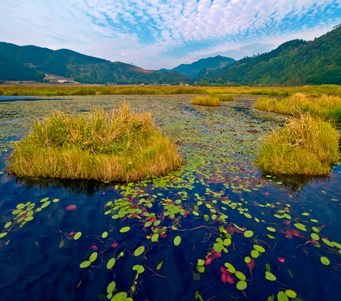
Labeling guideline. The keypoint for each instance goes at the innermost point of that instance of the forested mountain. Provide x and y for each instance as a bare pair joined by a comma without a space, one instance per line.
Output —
210,63
295,62
31,63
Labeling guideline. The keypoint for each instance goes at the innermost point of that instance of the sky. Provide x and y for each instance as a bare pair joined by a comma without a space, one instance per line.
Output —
155,34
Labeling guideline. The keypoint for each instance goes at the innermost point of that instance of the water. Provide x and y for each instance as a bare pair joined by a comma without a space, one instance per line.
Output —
220,192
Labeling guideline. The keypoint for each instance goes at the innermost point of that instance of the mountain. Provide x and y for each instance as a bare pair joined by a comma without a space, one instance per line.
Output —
210,63
296,62
32,63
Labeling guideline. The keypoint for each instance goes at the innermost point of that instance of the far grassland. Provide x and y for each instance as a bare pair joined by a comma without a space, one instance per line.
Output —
58,90
223,97
206,101
122,145
305,146
325,107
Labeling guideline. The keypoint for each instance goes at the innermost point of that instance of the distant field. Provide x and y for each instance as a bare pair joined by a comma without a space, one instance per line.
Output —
57,90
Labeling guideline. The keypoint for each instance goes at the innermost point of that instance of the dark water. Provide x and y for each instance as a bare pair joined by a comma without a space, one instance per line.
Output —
41,260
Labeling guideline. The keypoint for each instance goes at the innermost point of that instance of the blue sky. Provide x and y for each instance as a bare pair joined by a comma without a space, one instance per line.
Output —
156,34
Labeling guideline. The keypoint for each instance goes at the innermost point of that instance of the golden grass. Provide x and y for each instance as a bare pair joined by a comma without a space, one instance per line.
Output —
58,90
121,145
326,107
305,146
223,97
206,101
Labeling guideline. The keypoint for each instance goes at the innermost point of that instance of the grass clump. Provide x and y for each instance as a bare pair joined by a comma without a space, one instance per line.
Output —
223,97
121,145
305,146
206,101
325,107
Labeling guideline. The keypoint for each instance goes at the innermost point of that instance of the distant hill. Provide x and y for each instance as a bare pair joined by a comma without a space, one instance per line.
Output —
295,62
32,63
210,63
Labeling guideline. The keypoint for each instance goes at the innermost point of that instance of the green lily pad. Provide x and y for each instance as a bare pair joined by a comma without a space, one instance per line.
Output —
77,235
315,236
139,268
325,260
93,256
240,276
254,254
45,204
111,263
269,276
200,269
241,285
3,234
230,267
271,229
85,264
248,233
139,251
327,242
201,262
124,229
121,296
111,287
8,225
281,296
300,226
247,259
177,240
259,248
291,294
155,237
105,234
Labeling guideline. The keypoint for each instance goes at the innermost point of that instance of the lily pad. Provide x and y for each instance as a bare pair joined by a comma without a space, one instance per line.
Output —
111,287
248,233
291,294
85,264
124,229
240,276
121,296
300,226
259,248
230,267
93,256
139,251
77,235
105,234
281,296
111,263
271,229
177,240
325,260
139,268
269,276
241,285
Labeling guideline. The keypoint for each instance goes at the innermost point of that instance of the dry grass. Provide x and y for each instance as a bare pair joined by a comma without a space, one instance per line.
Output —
305,146
206,101
223,97
121,145
325,107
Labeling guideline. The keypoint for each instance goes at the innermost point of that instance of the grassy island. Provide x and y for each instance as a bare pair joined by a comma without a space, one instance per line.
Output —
206,101
305,146
121,145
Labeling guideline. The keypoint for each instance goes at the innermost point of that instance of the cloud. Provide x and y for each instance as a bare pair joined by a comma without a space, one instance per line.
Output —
146,31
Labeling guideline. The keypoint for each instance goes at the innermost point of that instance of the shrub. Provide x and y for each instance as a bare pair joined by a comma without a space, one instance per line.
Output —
206,101
122,145
305,146
325,107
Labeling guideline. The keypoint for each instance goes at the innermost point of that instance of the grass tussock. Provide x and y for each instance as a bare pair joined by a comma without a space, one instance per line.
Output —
223,97
305,146
121,145
325,107
206,101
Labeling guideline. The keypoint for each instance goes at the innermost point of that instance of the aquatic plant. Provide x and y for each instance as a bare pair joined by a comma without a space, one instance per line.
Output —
206,101
326,107
305,146
121,145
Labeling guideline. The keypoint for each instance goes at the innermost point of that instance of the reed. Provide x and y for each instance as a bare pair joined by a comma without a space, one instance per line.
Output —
223,97
206,101
121,145
305,146
325,107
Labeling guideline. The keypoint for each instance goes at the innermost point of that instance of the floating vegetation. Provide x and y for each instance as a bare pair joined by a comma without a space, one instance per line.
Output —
305,146
217,228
